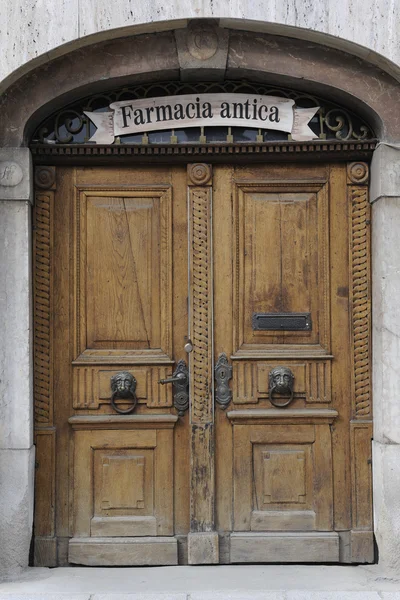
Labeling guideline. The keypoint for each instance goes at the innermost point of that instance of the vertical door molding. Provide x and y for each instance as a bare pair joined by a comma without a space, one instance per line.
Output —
45,541
361,535
202,540
357,174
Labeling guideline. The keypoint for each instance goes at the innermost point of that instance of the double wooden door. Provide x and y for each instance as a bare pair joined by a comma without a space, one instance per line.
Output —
255,278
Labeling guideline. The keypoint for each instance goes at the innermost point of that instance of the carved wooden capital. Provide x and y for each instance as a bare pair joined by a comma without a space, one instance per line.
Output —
358,173
199,174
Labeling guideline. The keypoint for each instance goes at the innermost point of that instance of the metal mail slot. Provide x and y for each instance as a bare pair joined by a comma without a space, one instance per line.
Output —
282,322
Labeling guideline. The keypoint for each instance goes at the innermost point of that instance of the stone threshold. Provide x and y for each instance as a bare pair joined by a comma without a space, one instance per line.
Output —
233,582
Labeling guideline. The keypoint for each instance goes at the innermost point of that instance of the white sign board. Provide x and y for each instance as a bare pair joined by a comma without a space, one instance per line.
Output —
130,117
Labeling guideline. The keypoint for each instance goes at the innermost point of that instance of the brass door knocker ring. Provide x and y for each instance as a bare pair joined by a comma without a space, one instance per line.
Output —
123,386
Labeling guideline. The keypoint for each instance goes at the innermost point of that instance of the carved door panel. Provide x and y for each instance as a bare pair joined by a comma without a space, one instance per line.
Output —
291,289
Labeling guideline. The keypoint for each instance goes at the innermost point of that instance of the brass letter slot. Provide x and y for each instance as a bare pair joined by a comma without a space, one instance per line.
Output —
282,322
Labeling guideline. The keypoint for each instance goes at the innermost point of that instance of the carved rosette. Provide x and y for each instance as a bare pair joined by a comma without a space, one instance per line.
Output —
202,40
358,173
199,174
42,276
199,180
45,178
360,278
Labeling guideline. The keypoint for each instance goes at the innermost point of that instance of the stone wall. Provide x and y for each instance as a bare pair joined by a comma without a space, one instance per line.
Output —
39,30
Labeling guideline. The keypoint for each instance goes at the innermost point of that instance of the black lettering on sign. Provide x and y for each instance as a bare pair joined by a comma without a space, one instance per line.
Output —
247,107
126,114
149,110
225,110
138,117
164,113
178,112
262,109
237,110
274,116
254,117
207,111
190,108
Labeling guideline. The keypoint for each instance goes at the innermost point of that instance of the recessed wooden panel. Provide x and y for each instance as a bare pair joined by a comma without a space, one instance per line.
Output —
281,261
45,485
124,480
283,476
361,452
124,498
283,487
123,269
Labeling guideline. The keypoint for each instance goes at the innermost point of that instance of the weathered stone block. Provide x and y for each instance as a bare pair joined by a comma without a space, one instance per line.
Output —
15,326
202,51
386,319
203,548
15,174
385,173
16,509
386,473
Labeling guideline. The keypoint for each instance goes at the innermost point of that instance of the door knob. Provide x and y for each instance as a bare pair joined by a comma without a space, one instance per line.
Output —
188,346
180,382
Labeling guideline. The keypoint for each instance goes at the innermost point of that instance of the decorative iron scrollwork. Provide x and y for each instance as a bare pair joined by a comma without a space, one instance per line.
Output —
223,374
71,126
180,381
123,387
281,381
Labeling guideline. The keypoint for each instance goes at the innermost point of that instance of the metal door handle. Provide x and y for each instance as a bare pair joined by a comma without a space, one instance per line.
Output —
180,381
174,378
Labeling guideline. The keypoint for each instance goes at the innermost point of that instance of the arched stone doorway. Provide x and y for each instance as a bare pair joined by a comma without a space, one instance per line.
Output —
238,55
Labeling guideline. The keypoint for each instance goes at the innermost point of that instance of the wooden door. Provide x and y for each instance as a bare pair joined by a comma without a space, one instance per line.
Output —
112,244
134,264
291,289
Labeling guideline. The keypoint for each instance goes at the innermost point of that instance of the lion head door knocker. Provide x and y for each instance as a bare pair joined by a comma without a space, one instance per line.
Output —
123,387
281,381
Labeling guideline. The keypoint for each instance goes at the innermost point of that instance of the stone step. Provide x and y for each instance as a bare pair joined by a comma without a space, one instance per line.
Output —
224,582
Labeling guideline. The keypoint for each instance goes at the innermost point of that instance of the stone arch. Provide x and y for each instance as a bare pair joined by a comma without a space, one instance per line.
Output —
347,80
